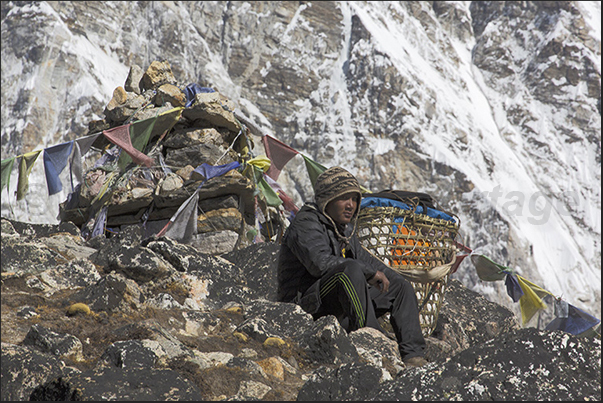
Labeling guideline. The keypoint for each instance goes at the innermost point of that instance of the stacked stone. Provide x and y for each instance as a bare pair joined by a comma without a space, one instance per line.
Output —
206,132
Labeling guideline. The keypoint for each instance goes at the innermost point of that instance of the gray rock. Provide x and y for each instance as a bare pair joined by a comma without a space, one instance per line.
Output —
350,381
210,107
259,262
27,312
140,264
112,293
517,364
69,246
258,329
327,343
24,368
133,354
22,256
248,365
467,318
217,242
47,341
132,83
167,343
196,155
377,349
179,255
190,136
110,383
285,320
76,273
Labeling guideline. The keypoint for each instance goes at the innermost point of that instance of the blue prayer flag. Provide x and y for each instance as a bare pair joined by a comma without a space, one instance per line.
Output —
513,288
192,90
55,160
576,321
209,171
99,224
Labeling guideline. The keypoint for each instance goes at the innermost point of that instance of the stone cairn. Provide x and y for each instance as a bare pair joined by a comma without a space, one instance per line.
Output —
208,131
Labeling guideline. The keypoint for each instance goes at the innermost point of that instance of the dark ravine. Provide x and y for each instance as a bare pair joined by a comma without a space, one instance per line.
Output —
175,323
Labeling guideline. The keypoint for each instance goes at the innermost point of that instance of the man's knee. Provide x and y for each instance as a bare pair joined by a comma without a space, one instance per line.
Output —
355,271
350,270
396,280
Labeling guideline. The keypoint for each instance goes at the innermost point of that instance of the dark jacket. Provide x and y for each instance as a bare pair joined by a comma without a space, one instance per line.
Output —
310,248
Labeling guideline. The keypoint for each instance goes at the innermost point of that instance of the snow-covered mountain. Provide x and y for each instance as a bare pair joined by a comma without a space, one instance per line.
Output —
491,107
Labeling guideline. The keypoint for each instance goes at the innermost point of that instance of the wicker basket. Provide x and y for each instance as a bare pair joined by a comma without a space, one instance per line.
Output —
420,247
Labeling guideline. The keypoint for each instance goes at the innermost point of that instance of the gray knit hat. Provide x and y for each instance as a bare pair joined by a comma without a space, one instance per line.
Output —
333,183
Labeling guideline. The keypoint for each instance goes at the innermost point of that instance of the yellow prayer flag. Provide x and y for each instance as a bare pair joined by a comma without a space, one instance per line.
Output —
25,166
260,162
531,300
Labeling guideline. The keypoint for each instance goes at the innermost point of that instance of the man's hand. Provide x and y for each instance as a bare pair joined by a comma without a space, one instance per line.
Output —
380,280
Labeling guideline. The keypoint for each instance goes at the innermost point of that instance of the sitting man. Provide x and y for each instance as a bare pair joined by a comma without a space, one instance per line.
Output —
323,268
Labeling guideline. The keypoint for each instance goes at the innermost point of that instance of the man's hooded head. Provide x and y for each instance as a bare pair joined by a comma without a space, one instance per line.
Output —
333,183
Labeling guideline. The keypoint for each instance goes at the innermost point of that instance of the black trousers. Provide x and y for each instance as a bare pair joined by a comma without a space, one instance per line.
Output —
345,293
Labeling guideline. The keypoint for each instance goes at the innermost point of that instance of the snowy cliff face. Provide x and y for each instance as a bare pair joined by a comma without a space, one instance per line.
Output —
491,107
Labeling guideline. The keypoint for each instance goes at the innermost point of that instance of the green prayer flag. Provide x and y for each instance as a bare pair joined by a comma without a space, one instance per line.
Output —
264,187
167,120
314,169
487,270
7,167
270,195
140,133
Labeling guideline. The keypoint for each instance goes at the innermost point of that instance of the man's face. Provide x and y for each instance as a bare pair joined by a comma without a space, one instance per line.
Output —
342,209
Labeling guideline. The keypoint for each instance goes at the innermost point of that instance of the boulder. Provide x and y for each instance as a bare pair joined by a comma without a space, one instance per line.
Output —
24,369
146,384
47,341
157,74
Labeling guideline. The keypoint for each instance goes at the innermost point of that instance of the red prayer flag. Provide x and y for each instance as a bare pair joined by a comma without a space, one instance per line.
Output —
288,202
120,136
279,154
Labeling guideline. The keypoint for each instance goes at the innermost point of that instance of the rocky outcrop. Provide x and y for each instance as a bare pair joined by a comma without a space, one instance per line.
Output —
448,98
154,319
